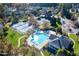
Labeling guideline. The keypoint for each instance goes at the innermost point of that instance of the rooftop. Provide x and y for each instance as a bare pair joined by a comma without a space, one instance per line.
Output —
22,27
60,42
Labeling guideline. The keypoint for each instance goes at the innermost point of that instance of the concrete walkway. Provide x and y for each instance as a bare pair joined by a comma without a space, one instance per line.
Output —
42,53
20,40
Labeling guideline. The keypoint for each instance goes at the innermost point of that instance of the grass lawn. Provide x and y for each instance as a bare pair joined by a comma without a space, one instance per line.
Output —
75,38
13,37
22,42
46,53
31,50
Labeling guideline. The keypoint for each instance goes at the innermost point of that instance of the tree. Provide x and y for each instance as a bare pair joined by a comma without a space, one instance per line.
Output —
25,51
3,48
65,10
45,25
62,52
10,47
1,33
1,10
59,30
74,17
29,32
25,18
33,51
1,28
77,37
33,21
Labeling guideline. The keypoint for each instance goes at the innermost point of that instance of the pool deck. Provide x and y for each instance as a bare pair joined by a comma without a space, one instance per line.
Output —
40,42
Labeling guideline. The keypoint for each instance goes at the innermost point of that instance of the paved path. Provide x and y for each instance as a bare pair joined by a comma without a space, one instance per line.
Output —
20,40
42,53
19,44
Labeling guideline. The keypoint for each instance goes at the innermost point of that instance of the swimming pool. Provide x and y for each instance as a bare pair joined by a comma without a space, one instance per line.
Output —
39,38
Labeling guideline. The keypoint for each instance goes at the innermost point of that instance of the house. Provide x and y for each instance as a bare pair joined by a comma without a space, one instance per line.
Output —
56,43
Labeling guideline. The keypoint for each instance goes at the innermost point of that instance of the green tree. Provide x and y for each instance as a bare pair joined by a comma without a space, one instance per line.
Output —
62,52
46,24
1,9
33,51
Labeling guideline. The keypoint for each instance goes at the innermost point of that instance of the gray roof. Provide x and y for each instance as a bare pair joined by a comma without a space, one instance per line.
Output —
61,42
53,37
65,41
55,44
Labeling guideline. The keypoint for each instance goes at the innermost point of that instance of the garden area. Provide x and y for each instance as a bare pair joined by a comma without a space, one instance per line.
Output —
13,37
76,39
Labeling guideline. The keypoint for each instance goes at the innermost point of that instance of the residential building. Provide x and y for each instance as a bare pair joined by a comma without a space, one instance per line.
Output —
56,43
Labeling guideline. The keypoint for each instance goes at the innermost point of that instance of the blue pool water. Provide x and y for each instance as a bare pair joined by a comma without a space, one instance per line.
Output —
41,37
